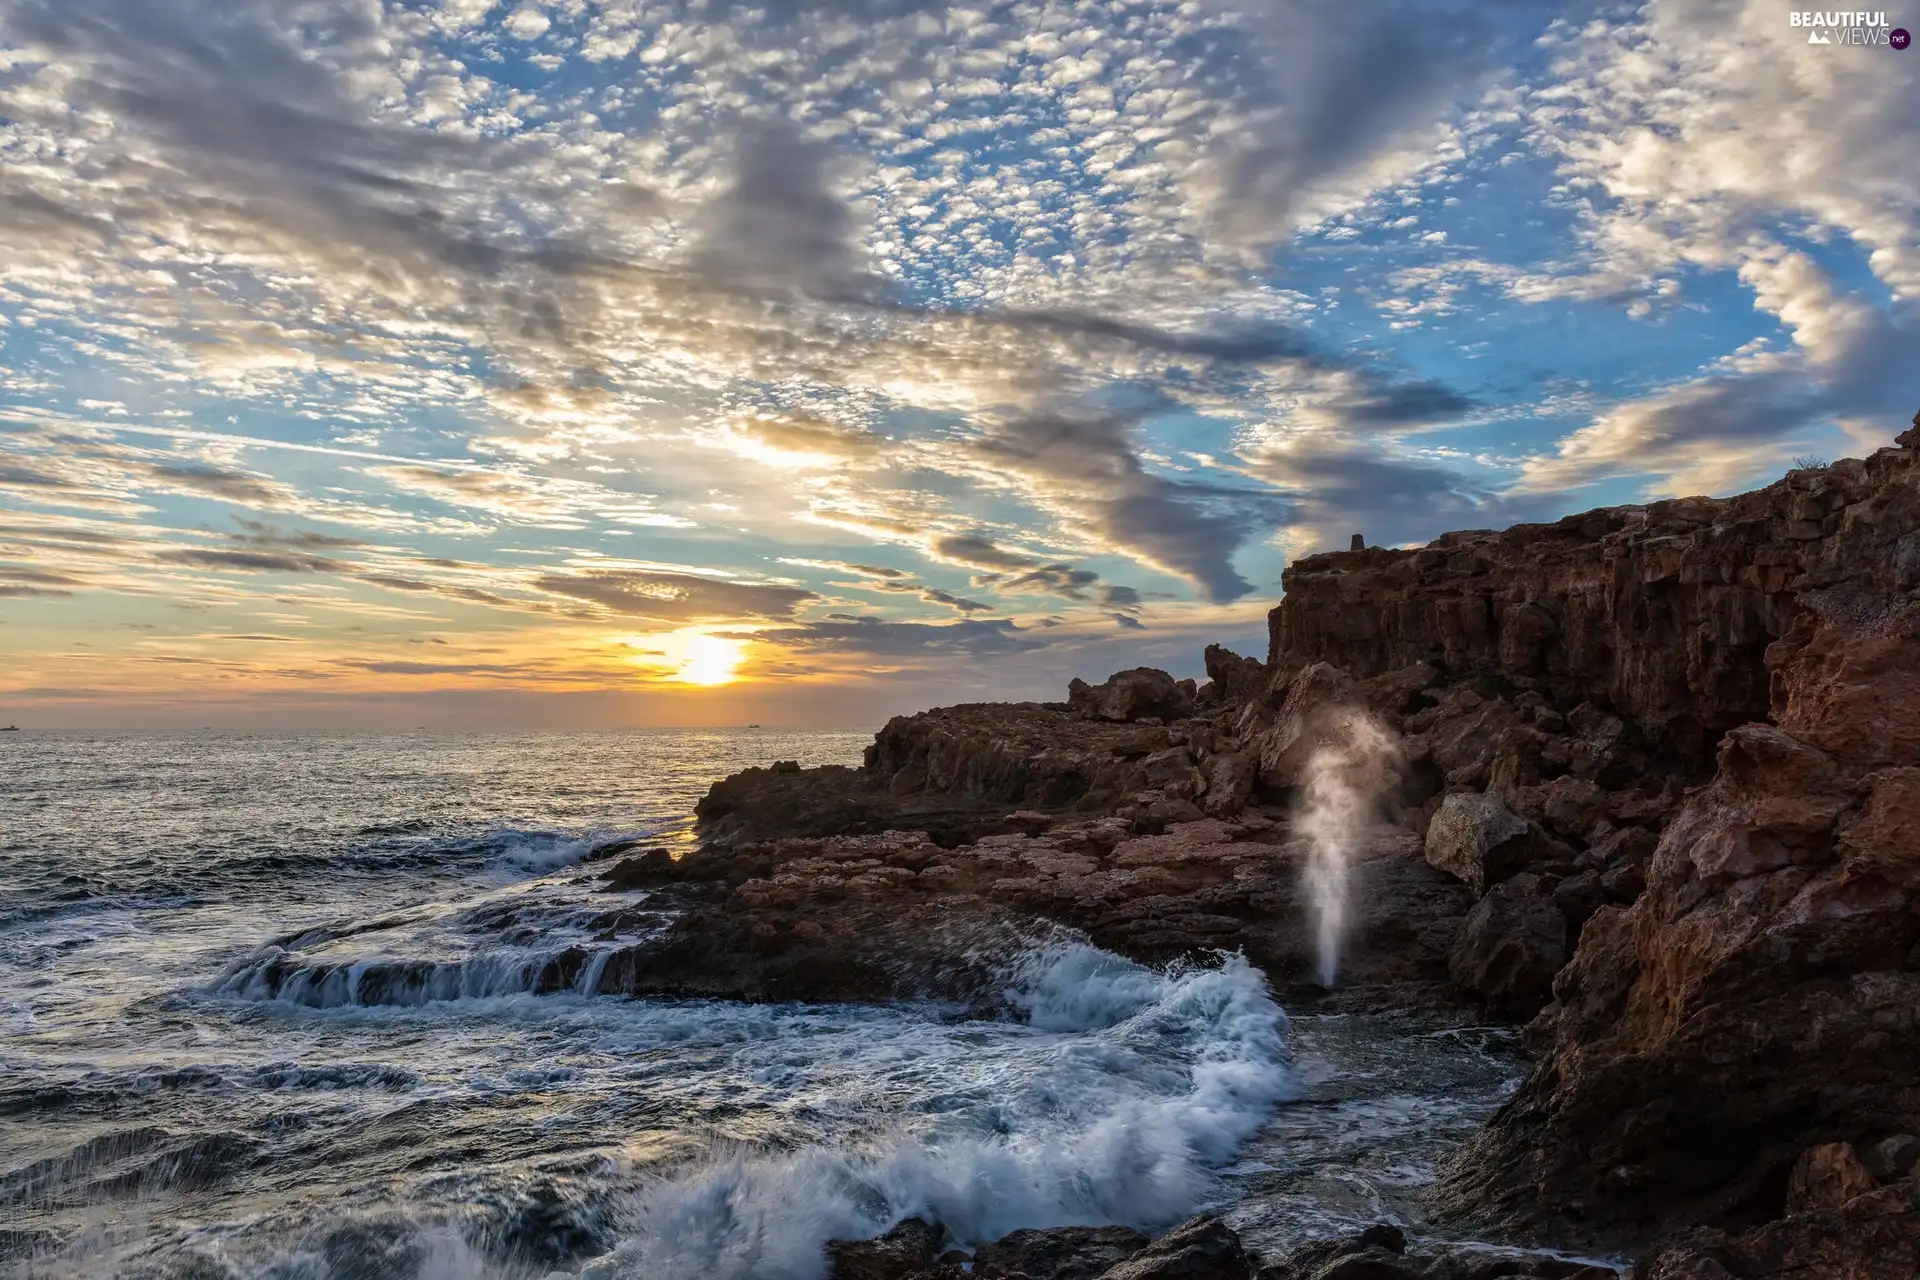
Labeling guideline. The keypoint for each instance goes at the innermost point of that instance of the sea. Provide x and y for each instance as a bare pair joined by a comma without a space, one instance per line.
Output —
271,1007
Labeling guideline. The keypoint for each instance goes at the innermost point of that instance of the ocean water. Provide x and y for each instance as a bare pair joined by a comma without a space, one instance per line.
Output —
324,1007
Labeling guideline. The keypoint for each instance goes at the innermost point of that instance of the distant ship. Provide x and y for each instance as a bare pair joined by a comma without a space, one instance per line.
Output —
9,728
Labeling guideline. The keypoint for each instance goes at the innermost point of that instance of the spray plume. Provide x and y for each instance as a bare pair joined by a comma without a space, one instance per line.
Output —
1348,776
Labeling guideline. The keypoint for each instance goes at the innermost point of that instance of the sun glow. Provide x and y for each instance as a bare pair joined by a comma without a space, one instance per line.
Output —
711,660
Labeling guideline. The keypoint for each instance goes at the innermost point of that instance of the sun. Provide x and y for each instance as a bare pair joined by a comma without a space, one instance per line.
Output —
711,660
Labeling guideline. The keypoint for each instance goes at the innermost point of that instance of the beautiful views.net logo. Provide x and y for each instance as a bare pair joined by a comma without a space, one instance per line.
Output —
1847,27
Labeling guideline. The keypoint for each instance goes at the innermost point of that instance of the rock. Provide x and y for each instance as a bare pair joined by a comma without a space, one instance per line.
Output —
1578,897
1392,693
1230,777
786,766
1872,1237
1762,994
1057,1253
1509,948
906,1252
1891,1159
1236,678
1203,1249
1380,1253
1826,1177
1132,695
1474,839
1308,718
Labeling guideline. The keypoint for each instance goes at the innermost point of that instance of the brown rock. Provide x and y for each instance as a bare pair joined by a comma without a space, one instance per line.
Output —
1132,695
1872,1237
1236,678
1306,721
1760,995
1512,943
1204,1249
1231,776
1473,838
1057,1253
1826,1177
906,1252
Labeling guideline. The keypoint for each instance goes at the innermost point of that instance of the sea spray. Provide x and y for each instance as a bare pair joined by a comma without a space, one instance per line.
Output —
1348,776
1141,1084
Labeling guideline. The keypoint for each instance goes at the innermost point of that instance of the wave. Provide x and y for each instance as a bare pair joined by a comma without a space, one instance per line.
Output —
1108,1134
286,977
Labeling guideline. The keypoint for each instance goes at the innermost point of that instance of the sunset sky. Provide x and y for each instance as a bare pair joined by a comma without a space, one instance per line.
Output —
571,364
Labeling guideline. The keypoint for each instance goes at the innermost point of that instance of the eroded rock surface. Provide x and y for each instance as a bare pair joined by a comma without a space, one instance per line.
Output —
1762,996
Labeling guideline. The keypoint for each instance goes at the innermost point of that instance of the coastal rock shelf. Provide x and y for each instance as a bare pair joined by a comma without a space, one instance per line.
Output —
1654,789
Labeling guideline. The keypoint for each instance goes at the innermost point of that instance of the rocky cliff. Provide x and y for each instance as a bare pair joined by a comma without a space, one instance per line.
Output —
1760,1002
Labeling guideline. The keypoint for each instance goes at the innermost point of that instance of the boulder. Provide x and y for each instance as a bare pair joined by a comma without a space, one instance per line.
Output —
906,1252
1891,1159
1309,717
1827,1176
1127,696
1475,839
1872,1237
1512,943
1230,777
1381,1253
1235,679
1057,1253
1203,1249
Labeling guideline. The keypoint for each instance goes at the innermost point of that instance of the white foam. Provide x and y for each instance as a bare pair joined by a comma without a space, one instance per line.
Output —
1103,1132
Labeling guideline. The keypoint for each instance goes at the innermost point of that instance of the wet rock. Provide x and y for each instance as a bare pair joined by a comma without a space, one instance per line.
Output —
1826,1177
1132,695
1476,840
1509,948
1380,1253
1057,1253
1204,1249
907,1252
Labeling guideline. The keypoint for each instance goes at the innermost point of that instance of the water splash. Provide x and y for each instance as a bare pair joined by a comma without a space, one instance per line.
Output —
1347,778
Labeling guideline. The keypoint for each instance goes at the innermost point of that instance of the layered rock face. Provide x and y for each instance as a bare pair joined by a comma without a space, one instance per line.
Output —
1762,997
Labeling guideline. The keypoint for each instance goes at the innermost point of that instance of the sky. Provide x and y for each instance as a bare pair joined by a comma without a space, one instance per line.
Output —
603,363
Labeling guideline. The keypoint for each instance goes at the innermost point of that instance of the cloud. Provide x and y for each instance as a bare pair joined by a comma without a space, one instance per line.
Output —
253,561
240,487
842,566
255,533
676,597
20,477
1341,100
976,551
41,577
1336,487
1084,464
780,225
878,637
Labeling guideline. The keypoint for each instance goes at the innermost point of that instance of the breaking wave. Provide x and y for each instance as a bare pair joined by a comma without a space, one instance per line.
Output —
1151,1083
